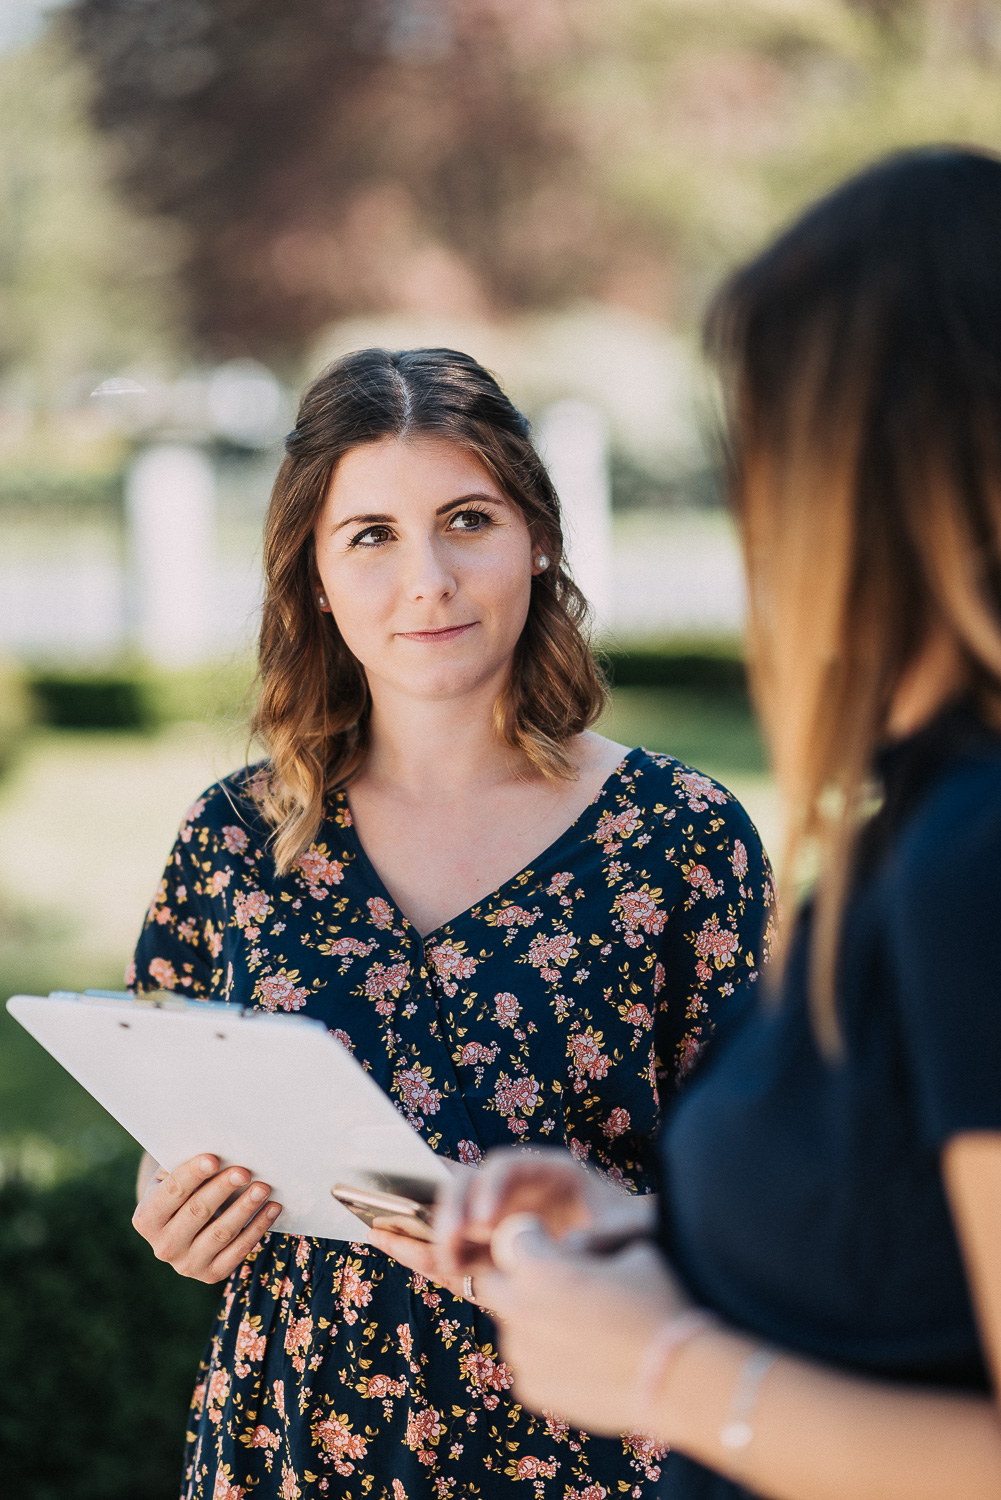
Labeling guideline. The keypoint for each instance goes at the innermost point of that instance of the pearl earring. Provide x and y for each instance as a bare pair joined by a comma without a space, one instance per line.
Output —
542,562
321,599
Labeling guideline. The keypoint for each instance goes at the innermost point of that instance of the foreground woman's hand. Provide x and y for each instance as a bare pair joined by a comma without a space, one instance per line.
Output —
571,1201
574,1327
183,1217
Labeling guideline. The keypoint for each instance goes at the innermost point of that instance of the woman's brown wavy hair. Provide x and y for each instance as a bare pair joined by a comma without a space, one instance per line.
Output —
313,708
862,363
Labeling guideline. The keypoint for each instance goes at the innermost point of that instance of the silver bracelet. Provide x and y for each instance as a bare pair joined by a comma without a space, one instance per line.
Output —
737,1432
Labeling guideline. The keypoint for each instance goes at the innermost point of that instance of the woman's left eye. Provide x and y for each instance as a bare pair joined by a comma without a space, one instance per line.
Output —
470,520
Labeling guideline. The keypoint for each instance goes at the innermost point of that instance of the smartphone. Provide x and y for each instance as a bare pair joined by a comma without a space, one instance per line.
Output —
382,1210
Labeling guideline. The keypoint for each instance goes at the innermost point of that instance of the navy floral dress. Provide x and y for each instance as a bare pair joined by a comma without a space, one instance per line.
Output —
563,1008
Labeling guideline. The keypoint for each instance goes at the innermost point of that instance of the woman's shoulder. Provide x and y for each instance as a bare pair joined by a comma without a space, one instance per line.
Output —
662,782
951,845
232,805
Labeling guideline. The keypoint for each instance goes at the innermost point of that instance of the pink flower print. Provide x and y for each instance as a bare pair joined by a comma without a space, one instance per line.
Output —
130,974
343,1038
347,949
289,1489
235,839
716,942
319,871
483,1372
699,790
220,880
280,991
264,1438
659,975
475,1052
382,980
517,1127
218,1388
380,1386
638,1015
298,1335
555,1426
399,1493
451,964
700,880
702,971
250,908
406,1338
354,1291
580,1149
470,1153
423,1426
380,911
738,860
506,1009
544,951
688,1050
194,811
512,1094
162,972
531,1467
589,1492
584,1050
340,1442
225,1489
616,1124
615,826
250,1343
279,1390
516,916
639,910
559,883
414,1087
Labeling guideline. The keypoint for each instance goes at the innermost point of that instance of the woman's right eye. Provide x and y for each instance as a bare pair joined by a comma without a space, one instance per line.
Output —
372,536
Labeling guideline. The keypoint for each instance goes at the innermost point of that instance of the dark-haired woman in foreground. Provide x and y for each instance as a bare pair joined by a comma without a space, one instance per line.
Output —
523,930
828,1325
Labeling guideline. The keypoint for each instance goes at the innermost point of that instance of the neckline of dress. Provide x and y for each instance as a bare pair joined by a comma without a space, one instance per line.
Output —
545,853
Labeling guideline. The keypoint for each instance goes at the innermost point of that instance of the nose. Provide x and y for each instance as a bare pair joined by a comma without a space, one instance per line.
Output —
431,576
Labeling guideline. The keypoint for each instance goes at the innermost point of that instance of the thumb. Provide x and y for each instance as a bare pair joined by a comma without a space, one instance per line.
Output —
520,1238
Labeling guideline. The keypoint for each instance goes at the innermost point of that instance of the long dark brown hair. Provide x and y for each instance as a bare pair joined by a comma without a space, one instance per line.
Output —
861,356
313,709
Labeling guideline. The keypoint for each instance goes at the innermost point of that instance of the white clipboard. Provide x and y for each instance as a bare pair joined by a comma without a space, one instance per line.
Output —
276,1094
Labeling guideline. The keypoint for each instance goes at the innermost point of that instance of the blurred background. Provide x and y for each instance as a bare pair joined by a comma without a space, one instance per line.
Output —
202,202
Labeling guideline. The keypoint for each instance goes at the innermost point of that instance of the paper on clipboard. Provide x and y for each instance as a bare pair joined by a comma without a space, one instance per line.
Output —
277,1094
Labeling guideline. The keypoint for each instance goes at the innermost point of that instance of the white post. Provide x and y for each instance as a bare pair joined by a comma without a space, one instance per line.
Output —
574,443
170,504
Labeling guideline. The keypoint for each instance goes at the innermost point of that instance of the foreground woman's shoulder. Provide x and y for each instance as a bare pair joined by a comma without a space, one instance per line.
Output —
230,809
662,781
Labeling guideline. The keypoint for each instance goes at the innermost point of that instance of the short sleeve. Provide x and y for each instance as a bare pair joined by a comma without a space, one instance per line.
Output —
715,938
181,938
944,921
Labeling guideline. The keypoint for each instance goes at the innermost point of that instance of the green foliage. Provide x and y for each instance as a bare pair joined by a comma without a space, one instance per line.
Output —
93,701
99,1348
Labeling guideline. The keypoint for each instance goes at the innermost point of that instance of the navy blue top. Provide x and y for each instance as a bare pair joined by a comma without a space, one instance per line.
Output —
803,1199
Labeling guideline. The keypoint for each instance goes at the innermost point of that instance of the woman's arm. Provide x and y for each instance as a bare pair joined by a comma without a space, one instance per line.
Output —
575,1329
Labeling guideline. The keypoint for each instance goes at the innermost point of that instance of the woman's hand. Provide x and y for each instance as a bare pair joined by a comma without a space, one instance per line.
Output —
570,1200
187,1217
574,1327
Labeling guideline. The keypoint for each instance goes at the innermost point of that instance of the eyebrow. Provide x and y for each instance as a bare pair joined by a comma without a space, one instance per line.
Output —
373,519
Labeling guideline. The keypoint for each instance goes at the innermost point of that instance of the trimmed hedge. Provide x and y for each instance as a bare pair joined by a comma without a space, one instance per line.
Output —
99,1344
69,700
712,672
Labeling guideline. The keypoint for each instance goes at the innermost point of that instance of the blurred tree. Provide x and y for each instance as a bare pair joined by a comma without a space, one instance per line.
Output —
84,283
339,156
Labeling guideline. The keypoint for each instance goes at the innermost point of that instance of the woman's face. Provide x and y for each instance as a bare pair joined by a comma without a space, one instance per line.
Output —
426,566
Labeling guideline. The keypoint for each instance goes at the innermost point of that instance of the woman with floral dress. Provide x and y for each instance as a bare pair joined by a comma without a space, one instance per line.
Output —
525,932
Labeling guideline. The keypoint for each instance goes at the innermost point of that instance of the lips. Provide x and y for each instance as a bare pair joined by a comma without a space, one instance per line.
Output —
432,637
